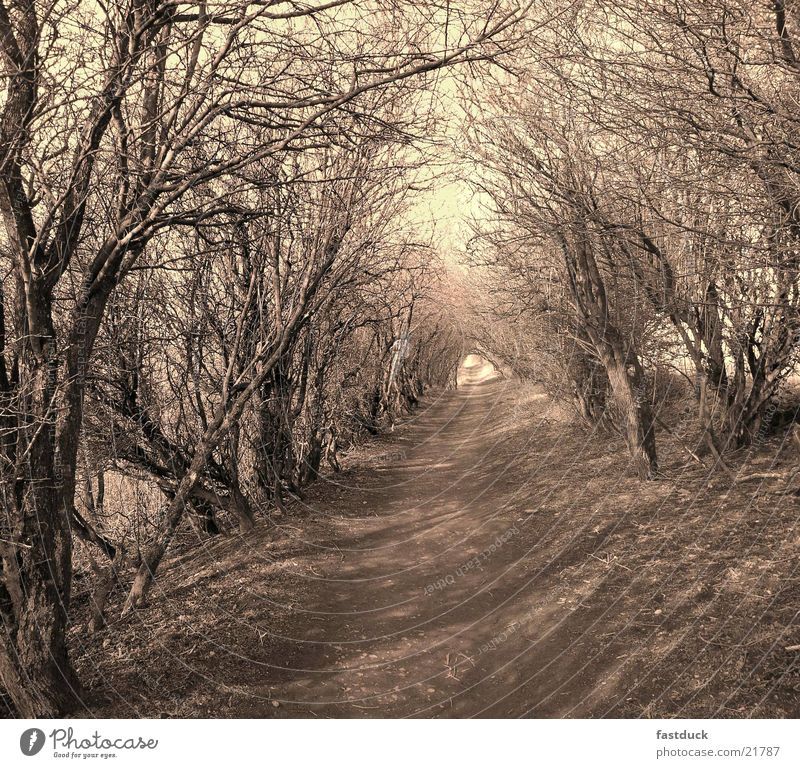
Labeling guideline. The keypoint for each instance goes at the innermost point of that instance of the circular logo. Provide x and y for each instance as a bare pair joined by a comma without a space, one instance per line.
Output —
31,741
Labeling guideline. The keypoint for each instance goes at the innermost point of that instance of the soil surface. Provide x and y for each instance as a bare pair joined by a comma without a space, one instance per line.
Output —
485,559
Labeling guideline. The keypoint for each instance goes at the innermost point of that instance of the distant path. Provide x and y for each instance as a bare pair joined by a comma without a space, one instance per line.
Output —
427,600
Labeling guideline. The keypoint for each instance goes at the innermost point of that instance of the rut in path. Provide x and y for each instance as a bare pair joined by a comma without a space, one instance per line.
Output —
435,588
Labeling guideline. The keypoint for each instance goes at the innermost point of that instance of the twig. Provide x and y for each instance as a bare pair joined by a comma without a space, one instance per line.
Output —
768,476
609,560
730,645
16,543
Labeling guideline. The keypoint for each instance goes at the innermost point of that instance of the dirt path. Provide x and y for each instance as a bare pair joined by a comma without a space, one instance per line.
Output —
484,559
431,597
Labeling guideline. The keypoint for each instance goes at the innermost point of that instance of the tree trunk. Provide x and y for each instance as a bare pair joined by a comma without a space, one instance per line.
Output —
617,354
36,554
630,397
273,447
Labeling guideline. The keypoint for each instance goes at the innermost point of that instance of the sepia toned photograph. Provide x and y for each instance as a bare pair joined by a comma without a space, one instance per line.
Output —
398,359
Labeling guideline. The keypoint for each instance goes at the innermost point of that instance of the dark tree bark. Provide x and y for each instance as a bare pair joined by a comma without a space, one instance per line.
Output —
618,355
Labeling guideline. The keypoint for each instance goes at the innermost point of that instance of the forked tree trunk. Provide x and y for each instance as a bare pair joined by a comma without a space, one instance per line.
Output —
630,397
590,386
